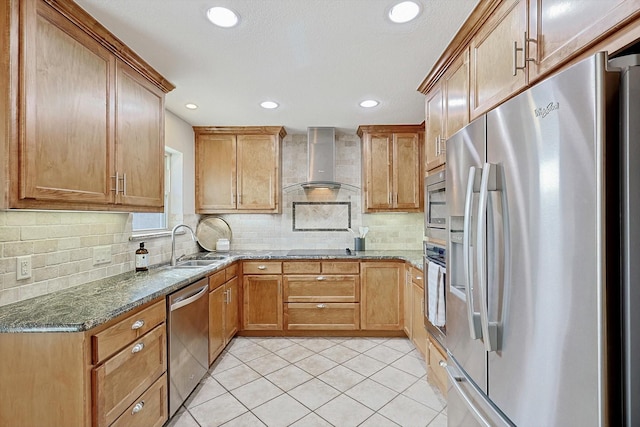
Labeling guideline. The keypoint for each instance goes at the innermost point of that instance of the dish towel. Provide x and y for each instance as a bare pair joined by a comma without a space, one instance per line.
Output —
435,284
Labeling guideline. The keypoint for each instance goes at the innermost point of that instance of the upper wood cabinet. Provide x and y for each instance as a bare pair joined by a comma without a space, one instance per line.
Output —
238,169
494,59
391,168
560,30
85,129
447,111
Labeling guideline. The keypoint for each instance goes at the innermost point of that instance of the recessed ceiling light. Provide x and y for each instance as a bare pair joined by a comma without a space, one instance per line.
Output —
222,17
269,105
369,103
404,12
191,106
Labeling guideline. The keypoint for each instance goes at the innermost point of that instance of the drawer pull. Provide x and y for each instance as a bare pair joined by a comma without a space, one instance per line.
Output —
137,324
320,278
137,348
418,277
137,408
262,267
321,305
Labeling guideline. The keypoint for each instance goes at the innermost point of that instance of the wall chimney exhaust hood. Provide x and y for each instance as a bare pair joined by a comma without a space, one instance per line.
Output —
321,158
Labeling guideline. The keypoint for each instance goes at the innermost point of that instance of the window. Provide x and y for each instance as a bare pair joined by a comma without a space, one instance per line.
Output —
144,222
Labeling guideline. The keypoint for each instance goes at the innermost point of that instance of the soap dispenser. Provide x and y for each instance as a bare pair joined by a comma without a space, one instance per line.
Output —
142,258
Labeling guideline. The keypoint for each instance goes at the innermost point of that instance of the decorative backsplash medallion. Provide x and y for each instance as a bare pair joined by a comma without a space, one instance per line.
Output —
321,216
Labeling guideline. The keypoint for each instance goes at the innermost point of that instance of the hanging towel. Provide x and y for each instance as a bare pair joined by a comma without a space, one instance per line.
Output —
440,312
433,274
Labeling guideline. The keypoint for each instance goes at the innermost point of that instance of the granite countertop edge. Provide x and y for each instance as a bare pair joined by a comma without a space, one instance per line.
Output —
86,306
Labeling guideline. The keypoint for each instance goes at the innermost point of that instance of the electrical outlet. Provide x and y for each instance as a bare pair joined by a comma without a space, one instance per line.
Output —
23,267
101,254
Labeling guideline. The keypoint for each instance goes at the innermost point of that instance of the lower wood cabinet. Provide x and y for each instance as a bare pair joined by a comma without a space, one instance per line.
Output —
382,295
436,373
223,309
262,296
322,316
149,410
419,332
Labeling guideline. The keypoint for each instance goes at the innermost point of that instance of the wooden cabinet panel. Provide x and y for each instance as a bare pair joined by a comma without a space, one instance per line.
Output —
408,305
262,267
419,333
262,302
381,295
322,316
456,98
112,339
417,277
434,129
258,172
391,168
125,376
232,308
139,139
215,172
66,111
301,267
561,30
340,267
149,410
331,288
492,57
436,374
231,271
216,322
406,169
238,169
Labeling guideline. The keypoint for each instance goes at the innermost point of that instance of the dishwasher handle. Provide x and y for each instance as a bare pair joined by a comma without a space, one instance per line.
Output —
188,299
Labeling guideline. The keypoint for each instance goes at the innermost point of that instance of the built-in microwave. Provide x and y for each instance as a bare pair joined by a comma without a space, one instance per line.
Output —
435,207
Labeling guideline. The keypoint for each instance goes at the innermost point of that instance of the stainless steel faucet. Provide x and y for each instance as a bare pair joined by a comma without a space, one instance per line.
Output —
173,241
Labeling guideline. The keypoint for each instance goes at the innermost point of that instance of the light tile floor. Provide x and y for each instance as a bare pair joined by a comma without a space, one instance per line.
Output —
342,382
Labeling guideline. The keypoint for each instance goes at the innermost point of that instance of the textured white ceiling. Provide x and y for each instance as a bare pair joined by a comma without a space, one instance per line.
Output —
317,58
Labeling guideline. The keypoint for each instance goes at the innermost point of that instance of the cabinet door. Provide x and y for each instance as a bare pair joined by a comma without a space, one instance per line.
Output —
66,112
262,302
417,311
407,176
258,172
232,308
434,131
456,84
408,305
216,322
562,29
492,57
378,153
139,140
215,172
381,296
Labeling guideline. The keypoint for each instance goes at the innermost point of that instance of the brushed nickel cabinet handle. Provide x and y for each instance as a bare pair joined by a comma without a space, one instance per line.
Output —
320,278
137,408
262,267
137,348
137,324
321,305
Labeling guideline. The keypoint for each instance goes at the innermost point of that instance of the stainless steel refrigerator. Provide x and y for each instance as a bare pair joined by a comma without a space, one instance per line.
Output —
536,302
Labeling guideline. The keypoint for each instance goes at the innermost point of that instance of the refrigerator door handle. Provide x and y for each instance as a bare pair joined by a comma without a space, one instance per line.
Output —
473,317
455,379
489,330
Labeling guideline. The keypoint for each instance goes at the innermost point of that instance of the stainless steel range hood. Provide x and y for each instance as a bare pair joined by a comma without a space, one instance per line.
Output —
321,158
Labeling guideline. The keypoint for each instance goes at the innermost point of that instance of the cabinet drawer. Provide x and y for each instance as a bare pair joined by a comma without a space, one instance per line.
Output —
322,288
330,316
149,410
112,339
436,373
230,272
417,277
126,375
301,267
337,267
257,267
216,279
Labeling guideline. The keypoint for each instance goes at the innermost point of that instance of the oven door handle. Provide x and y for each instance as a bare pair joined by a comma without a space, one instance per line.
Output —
189,298
473,317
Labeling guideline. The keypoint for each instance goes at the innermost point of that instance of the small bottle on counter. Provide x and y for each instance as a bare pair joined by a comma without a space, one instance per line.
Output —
142,258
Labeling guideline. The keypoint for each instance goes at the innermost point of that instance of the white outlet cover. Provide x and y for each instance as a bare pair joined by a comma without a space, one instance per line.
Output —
23,267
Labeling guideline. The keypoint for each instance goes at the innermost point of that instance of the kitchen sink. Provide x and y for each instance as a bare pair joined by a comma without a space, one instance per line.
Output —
196,263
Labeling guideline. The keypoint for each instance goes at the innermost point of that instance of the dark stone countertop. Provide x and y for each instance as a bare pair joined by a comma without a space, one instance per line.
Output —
86,306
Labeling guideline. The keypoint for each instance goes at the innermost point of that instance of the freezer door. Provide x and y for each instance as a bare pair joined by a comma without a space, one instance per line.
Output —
465,157
546,275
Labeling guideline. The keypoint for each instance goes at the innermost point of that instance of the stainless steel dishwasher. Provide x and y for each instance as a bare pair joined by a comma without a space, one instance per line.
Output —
188,343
